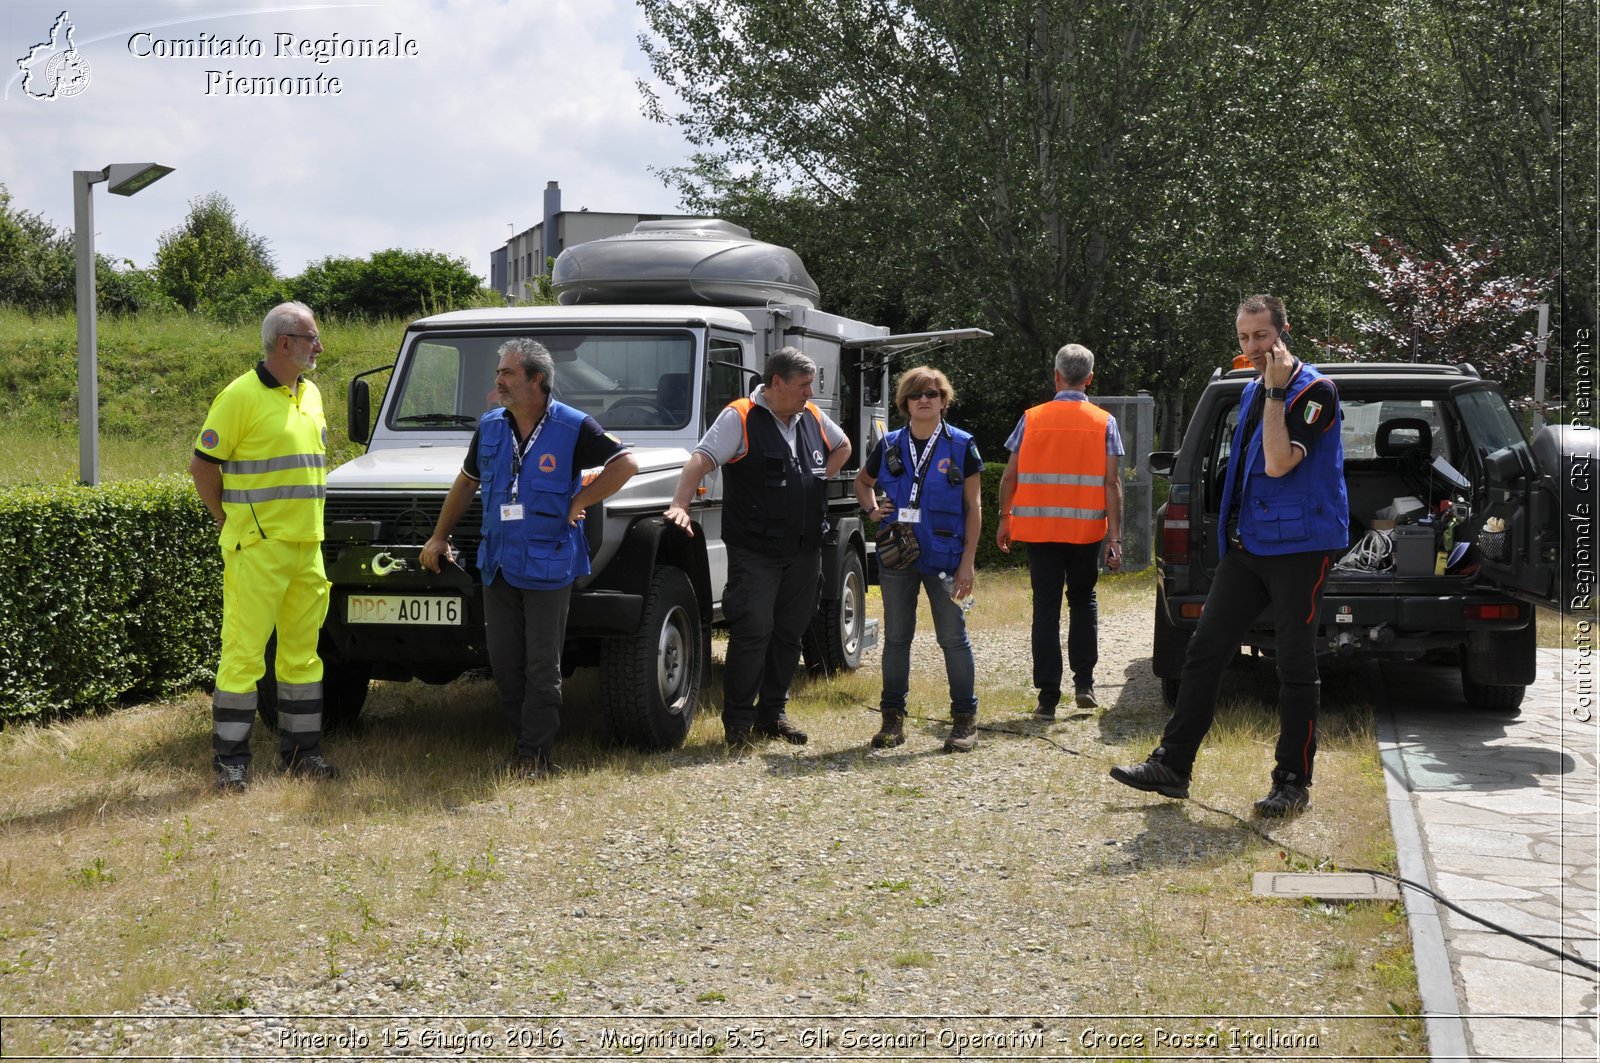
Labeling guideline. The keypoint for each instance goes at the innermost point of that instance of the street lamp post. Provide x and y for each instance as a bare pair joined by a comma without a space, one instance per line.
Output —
123,179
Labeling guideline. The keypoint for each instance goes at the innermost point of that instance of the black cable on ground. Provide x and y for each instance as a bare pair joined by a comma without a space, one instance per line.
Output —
1560,954
1400,880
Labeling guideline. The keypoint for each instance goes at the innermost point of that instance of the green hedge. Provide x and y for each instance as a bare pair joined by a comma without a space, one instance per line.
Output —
104,592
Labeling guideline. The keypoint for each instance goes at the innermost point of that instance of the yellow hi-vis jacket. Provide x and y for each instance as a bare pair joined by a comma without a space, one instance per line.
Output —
1061,475
272,446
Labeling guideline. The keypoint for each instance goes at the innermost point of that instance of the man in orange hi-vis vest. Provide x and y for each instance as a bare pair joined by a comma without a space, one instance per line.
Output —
1062,495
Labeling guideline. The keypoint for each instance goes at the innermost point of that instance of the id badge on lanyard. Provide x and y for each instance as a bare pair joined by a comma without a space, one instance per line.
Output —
912,513
513,509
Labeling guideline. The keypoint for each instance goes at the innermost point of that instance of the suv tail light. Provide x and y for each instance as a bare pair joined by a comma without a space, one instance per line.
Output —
1175,534
1485,611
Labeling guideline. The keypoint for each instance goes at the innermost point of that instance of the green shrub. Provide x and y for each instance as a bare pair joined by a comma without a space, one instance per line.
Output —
104,592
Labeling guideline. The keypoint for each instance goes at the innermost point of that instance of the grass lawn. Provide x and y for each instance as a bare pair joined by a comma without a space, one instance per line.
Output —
691,888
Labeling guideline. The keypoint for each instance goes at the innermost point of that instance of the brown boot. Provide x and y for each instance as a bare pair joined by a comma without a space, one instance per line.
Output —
963,733
893,731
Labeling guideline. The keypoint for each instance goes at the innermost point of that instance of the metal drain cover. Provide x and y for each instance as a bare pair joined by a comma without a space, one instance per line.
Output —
1325,886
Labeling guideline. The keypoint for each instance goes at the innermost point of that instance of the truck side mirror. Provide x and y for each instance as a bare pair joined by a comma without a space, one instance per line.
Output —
358,411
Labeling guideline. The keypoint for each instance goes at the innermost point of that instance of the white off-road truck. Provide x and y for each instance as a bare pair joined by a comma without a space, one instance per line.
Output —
656,332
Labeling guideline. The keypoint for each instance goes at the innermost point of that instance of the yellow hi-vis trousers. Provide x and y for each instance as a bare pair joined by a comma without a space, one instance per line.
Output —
270,584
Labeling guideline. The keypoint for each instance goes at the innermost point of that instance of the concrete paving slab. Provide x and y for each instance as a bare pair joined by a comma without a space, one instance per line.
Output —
1506,815
1535,918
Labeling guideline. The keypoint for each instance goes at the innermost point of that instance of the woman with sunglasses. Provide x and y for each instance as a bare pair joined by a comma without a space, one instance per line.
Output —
930,472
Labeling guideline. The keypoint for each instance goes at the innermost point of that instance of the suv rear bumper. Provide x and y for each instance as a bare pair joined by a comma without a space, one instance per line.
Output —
1402,623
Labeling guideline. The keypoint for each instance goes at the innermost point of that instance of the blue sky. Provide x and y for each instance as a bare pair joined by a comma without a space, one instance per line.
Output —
445,149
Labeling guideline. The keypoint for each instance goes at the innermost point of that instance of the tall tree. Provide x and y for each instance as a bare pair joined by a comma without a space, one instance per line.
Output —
1117,173
1455,309
1475,119
36,260
212,260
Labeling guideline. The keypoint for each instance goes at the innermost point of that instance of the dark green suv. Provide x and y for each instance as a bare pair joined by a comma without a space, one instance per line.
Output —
1478,525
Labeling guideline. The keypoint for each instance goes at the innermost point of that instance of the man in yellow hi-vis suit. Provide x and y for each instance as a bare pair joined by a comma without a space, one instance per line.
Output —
261,469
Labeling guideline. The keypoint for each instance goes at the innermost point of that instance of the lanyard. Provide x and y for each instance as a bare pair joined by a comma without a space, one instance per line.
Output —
521,451
919,471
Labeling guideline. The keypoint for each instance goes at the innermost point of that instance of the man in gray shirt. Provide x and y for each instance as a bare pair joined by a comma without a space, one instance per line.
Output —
777,452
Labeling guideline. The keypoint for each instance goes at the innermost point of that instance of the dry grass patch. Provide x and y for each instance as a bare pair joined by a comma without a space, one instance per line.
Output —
827,879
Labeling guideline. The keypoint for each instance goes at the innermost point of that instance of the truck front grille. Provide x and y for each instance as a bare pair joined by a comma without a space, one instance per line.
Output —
404,519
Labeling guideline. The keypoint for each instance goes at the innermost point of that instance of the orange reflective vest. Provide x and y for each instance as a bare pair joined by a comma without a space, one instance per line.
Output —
1061,475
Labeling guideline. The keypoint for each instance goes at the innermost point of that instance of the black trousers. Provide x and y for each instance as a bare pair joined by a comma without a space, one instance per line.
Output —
1288,587
1075,566
768,604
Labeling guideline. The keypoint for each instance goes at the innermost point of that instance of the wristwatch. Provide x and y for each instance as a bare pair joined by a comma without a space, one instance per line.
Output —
1280,394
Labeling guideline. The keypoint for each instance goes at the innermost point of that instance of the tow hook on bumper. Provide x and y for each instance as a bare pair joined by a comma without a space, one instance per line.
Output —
1347,643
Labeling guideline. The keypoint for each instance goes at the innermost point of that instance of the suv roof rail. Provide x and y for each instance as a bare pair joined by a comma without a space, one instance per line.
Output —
1410,368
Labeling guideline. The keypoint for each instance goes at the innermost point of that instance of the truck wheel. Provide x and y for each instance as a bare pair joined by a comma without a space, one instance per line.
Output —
267,689
833,641
344,689
650,681
1167,650
1490,697
1496,668
344,694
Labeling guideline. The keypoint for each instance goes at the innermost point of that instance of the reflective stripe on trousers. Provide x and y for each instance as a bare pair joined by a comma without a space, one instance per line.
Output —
270,585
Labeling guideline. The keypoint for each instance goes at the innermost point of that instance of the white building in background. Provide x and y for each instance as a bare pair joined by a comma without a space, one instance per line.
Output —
528,254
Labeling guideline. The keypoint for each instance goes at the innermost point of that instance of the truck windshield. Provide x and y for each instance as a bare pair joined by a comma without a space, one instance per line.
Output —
623,379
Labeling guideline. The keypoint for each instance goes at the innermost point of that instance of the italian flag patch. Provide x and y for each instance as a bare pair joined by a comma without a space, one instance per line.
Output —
1312,409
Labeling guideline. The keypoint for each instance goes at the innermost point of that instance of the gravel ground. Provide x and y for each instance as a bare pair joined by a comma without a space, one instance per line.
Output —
792,893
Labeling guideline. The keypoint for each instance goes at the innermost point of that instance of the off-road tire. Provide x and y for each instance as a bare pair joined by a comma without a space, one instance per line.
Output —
832,643
651,681
344,689
1495,698
1167,649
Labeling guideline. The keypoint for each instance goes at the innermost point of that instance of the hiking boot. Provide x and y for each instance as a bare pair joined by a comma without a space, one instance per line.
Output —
309,766
782,728
1153,776
892,733
1046,709
963,733
739,738
1285,799
536,768
231,778
1085,699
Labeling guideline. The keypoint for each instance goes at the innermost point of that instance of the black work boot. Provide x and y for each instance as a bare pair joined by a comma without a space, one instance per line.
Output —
893,731
782,728
312,765
1046,709
963,733
1152,776
1289,796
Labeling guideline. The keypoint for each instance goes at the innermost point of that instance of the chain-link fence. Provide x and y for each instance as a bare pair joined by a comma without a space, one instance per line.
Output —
1136,420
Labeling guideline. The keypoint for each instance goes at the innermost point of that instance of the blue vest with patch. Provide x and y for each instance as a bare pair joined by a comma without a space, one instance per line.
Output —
941,533
541,551
1307,508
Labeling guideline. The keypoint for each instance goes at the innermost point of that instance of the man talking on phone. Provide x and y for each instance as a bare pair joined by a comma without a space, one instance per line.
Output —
1285,514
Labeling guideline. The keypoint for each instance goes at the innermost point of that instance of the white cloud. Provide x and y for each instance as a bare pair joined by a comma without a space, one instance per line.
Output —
436,151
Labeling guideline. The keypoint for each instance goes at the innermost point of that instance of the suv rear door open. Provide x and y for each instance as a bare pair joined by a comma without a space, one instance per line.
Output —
1535,540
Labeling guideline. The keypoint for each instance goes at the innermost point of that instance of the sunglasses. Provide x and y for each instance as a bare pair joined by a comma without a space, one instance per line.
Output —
930,393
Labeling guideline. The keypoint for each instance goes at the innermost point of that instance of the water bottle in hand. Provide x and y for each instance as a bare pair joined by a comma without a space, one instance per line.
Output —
948,582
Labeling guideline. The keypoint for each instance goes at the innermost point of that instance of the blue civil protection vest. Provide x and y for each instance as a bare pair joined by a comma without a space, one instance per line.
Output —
541,551
1305,510
942,531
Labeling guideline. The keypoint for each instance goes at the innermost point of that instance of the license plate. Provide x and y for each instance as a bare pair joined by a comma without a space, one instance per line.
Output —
424,609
